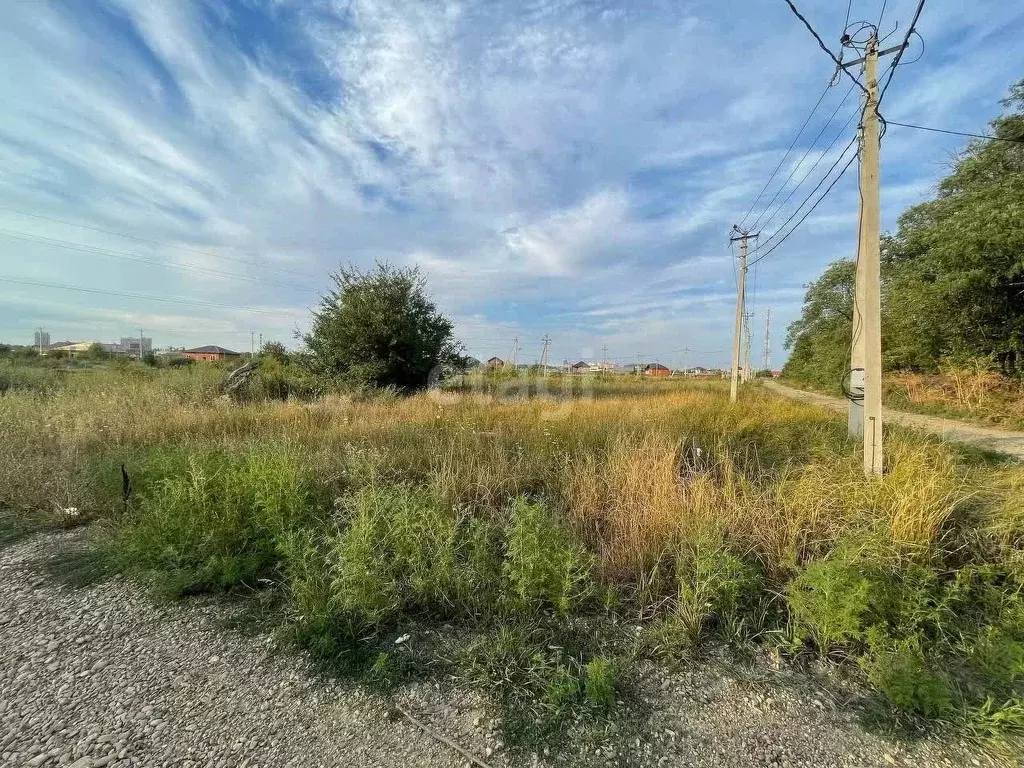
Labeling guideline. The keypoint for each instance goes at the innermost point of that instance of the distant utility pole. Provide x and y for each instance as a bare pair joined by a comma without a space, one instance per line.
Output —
768,341
515,353
39,340
686,353
741,286
544,354
865,418
252,344
140,343
260,347
604,361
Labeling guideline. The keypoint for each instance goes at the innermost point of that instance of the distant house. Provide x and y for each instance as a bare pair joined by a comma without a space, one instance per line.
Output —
209,353
580,367
656,369
494,364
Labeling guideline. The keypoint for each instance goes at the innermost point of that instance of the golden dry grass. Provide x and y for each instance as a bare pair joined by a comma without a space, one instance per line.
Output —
637,473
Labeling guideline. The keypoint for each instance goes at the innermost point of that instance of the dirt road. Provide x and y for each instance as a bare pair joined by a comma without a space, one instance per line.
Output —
1001,440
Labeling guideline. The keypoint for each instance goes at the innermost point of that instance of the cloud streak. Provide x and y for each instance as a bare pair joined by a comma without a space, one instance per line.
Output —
552,166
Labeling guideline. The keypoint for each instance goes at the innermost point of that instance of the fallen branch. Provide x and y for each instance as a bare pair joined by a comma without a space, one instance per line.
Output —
442,738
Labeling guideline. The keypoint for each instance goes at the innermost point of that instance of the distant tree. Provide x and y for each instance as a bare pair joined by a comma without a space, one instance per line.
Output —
96,352
275,350
380,329
149,359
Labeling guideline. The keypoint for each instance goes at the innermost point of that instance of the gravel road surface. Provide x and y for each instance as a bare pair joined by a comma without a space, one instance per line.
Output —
103,676
990,439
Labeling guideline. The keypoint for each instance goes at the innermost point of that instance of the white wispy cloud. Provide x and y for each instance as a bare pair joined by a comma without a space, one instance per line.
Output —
552,166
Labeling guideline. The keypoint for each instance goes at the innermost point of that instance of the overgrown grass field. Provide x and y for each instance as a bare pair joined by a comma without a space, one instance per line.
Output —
535,526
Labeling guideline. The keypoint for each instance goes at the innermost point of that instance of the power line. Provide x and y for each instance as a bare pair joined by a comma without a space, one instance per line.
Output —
806,176
957,133
70,245
144,297
825,48
799,133
811,210
249,262
903,47
797,166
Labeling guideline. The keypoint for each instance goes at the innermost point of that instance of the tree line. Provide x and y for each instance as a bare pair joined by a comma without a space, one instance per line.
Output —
952,274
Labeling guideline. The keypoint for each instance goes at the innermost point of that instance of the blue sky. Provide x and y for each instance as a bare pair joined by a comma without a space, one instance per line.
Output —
570,168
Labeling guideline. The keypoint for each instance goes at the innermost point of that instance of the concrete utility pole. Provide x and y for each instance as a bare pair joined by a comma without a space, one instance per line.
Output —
515,353
604,360
544,355
252,344
747,317
768,341
866,357
741,287
686,353
141,332
39,340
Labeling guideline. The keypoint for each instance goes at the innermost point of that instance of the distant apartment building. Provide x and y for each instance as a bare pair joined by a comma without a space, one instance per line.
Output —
41,339
135,346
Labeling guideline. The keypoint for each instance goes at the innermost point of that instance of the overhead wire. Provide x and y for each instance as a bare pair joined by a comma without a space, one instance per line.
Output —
825,48
764,243
899,54
957,133
812,208
796,167
796,138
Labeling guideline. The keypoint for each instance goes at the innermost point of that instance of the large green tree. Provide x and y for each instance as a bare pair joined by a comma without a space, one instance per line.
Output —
955,286
952,274
381,329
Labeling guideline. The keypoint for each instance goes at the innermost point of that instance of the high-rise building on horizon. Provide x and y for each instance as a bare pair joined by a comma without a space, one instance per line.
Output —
130,345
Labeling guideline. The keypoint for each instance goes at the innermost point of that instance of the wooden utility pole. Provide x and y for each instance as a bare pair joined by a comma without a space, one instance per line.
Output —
741,287
544,355
867,312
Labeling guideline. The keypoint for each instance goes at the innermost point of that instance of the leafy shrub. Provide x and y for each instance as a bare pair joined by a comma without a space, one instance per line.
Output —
829,601
217,524
898,669
712,582
403,550
600,678
544,565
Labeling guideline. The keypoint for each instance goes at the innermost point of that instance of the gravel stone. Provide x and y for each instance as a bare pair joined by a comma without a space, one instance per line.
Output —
103,677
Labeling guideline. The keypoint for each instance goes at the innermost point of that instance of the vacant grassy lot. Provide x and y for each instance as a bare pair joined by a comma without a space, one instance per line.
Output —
537,526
